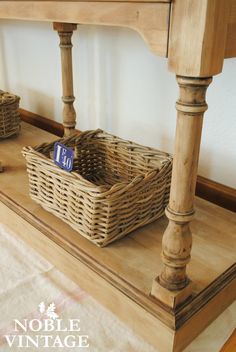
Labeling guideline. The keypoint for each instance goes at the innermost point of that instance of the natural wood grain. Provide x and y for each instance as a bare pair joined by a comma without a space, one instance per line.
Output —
151,20
230,50
232,12
190,106
177,239
120,275
203,23
230,345
65,31
215,20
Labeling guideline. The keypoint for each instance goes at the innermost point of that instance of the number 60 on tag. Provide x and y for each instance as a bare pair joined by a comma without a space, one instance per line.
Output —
63,156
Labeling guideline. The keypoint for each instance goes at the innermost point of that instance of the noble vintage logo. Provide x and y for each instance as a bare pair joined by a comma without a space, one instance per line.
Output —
44,332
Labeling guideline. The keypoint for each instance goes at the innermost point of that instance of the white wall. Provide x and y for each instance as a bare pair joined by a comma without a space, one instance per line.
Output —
120,86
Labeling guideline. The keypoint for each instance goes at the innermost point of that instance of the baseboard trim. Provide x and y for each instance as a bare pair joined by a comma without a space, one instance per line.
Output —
41,122
207,189
216,193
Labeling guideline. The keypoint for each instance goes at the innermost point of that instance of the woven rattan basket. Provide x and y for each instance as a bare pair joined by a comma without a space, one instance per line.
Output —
115,187
9,114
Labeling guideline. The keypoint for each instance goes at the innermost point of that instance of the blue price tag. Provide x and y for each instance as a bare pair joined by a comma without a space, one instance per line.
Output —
63,156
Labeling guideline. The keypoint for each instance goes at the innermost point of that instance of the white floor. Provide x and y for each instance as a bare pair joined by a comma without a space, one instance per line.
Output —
27,279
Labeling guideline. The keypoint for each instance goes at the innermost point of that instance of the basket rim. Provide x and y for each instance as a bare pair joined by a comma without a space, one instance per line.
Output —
7,98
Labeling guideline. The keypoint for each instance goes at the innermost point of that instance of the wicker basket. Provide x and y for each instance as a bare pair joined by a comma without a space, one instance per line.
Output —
9,114
115,187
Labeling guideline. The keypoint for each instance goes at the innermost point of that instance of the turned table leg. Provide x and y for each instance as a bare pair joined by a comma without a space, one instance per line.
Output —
172,286
65,31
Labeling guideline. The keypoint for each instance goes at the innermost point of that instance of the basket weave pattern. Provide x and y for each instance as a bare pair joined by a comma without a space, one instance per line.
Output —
115,187
9,114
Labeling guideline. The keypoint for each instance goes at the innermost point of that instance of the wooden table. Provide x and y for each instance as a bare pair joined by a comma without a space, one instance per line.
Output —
196,36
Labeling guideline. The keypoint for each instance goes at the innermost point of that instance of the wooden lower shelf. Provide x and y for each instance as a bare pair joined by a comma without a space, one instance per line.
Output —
120,275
